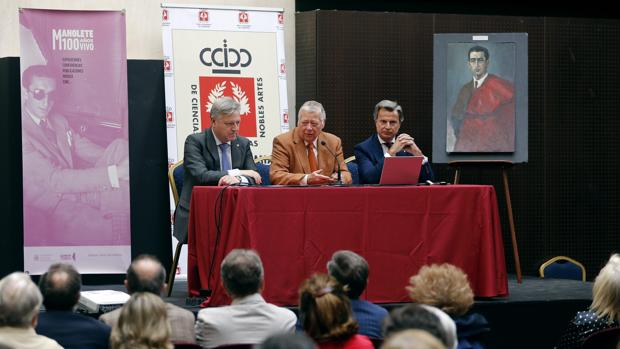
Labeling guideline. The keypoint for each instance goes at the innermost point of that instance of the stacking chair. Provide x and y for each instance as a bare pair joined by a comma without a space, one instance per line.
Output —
608,338
175,177
562,267
352,166
262,164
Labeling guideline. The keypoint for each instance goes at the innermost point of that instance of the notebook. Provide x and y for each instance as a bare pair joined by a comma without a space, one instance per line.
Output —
401,170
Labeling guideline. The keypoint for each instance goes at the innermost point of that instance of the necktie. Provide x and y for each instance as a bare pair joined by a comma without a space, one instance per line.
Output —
225,162
312,158
476,84
388,145
49,133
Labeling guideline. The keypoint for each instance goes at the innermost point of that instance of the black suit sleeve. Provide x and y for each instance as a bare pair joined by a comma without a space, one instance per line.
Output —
200,165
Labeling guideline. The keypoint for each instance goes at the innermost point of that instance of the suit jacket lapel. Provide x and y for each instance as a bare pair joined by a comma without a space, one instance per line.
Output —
62,141
325,157
235,154
300,152
212,148
377,150
42,144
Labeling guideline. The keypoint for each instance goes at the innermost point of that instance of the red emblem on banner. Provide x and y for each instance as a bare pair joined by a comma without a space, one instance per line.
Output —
169,116
281,18
164,14
243,17
282,68
167,65
285,118
203,16
241,89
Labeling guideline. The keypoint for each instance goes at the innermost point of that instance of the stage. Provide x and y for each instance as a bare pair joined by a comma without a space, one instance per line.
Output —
534,315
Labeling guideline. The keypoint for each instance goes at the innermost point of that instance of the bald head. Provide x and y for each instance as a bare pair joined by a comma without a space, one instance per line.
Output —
20,300
145,274
60,287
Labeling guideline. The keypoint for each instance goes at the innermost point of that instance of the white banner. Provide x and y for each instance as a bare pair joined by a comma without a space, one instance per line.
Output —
210,52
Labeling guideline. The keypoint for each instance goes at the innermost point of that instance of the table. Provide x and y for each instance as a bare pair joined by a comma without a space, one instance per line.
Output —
397,229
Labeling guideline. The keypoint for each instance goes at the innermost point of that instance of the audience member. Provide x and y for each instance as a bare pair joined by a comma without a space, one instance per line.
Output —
326,315
306,155
351,271
20,301
146,274
298,340
60,287
142,324
422,317
249,319
412,339
447,288
604,311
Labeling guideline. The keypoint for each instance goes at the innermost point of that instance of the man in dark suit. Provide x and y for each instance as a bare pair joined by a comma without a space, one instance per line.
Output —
60,287
216,156
369,154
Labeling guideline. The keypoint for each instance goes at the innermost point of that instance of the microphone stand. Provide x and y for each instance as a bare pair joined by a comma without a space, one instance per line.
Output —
339,181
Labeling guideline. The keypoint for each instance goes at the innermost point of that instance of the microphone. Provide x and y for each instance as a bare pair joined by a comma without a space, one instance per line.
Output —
339,181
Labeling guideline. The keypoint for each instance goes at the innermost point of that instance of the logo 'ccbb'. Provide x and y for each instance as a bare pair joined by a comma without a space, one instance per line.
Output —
225,57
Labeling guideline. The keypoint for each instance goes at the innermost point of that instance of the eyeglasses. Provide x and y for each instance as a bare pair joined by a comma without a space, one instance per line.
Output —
40,94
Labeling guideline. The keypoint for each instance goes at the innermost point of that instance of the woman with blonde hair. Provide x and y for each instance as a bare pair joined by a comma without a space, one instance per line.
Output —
446,287
142,324
604,312
326,315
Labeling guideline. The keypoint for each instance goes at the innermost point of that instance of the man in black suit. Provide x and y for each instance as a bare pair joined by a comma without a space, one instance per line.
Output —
60,287
216,156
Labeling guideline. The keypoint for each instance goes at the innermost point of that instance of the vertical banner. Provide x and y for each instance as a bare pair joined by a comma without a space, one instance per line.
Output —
211,52
75,140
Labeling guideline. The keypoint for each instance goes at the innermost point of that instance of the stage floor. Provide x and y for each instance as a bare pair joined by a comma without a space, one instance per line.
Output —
534,315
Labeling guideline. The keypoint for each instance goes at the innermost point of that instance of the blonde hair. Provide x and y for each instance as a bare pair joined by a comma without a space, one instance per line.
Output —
412,339
142,324
606,290
443,286
325,309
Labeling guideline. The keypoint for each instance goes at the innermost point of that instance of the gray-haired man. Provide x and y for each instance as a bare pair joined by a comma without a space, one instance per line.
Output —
216,156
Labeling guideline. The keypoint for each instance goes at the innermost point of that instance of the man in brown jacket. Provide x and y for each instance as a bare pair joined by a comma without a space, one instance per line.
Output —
306,155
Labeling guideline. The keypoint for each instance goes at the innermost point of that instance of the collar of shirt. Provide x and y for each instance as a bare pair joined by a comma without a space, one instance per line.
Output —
481,80
34,118
316,150
217,140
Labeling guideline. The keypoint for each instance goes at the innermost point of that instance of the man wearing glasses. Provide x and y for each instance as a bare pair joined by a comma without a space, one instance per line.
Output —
215,156
483,117
74,190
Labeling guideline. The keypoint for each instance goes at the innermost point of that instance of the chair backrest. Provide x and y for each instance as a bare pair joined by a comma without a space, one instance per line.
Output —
236,346
352,167
608,338
185,345
175,177
262,164
562,267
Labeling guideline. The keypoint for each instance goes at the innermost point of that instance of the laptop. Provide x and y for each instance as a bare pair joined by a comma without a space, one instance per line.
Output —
401,170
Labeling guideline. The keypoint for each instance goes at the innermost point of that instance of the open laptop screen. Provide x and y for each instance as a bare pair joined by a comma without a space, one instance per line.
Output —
401,170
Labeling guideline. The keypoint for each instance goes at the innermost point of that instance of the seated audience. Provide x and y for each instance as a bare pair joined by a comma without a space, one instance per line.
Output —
604,311
412,339
298,340
351,271
142,324
146,274
422,317
249,319
326,315
60,287
447,288
20,302
306,155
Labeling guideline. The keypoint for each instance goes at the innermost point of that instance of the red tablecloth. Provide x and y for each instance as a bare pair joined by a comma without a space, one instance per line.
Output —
397,229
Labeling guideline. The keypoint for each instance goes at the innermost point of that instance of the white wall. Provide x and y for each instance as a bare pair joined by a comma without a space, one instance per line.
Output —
143,25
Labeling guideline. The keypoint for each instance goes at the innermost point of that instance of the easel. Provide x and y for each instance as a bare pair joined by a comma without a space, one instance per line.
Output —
505,165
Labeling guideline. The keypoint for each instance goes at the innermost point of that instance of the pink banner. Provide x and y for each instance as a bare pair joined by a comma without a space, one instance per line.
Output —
74,140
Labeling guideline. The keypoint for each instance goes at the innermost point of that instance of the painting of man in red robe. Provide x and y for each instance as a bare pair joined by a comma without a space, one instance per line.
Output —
483,116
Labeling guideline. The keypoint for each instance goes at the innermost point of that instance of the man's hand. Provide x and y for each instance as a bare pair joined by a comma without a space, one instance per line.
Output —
251,173
405,142
316,178
228,180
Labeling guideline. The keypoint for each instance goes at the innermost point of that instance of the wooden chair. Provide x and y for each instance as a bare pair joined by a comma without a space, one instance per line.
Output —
352,167
262,164
562,267
608,338
175,177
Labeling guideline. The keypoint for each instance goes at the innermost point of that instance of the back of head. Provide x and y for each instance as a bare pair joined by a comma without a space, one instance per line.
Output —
142,323
412,339
146,274
351,270
20,300
325,309
414,316
242,273
297,340
60,287
443,286
606,290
